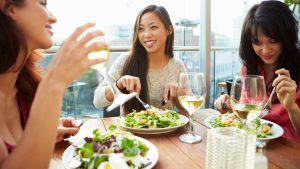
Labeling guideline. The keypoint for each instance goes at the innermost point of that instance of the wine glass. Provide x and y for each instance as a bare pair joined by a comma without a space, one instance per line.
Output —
247,96
191,95
103,53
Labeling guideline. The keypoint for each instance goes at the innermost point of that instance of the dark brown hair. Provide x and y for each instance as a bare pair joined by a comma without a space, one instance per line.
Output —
11,44
276,21
137,62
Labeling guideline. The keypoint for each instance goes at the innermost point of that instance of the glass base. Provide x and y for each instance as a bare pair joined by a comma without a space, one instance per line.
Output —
190,138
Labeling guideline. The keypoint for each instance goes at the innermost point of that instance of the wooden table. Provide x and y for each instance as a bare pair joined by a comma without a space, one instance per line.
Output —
174,154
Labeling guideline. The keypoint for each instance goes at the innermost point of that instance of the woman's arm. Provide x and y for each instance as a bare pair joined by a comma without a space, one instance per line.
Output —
294,113
35,148
286,93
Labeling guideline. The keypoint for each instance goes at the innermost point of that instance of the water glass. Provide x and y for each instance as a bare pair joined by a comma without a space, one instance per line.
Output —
230,148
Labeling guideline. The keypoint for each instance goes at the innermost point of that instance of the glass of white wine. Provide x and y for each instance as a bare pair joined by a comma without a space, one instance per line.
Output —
247,96
191,95
103,53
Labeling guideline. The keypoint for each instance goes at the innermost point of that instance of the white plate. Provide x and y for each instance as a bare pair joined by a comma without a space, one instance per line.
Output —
277,130
153,130
152,154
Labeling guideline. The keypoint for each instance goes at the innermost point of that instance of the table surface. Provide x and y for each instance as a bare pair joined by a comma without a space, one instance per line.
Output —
173,153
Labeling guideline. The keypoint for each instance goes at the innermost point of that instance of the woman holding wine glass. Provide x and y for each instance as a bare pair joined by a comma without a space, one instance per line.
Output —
30,106
270,47
150,69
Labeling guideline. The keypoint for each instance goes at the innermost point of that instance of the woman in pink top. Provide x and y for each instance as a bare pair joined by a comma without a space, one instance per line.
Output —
30,106
270,47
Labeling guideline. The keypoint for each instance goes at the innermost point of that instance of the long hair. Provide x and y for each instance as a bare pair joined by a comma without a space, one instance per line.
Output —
11,45
137,62
276,21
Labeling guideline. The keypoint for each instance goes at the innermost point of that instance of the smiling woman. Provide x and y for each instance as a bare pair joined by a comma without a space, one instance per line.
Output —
269,47
26,99
150,68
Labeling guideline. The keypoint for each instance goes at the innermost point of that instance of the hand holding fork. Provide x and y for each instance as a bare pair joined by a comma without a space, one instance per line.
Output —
267,106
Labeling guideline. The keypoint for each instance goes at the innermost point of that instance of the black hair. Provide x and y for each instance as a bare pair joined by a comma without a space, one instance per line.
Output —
137,62
276,21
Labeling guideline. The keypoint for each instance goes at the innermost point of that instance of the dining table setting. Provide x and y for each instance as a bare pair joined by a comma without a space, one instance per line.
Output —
166,150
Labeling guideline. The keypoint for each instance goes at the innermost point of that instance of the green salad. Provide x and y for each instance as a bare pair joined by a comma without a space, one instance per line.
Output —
112,149
261,129
152,118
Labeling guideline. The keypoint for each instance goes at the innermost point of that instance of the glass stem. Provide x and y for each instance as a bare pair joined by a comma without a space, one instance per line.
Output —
191,118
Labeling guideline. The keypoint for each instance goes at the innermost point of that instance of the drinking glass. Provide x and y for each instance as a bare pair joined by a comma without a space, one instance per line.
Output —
103,53
100,53
191,94
230,147
247,96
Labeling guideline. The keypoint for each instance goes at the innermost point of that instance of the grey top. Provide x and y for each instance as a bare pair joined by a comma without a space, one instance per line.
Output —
157,78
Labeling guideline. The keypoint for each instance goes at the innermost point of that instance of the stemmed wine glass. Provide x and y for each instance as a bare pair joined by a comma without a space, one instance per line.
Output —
103,53
247,96
191,93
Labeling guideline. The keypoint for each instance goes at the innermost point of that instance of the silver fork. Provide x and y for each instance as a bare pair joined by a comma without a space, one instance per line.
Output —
145,105
267,107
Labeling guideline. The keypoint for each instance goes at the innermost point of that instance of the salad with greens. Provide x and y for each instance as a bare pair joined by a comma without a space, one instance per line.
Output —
114,149
152,118
257,126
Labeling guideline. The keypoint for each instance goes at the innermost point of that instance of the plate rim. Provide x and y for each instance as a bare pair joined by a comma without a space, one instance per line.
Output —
279,128
153,130
151,146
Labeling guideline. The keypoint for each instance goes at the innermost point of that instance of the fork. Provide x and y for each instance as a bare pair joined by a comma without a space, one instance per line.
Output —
145,105
266,107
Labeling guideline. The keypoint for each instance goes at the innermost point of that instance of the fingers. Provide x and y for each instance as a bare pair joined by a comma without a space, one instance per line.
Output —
89,36
73,55
282,72
284,83
286,86
64,133
67,122
68,130
74,36
70,122
170,91
130,83
221,104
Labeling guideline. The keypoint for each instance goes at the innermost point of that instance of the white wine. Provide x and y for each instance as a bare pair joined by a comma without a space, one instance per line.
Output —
102,53
246,111
191,103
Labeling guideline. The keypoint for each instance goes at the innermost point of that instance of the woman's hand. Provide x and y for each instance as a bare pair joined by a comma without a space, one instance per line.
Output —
66,127
71,59
170,91
285,89
222,104
130,83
